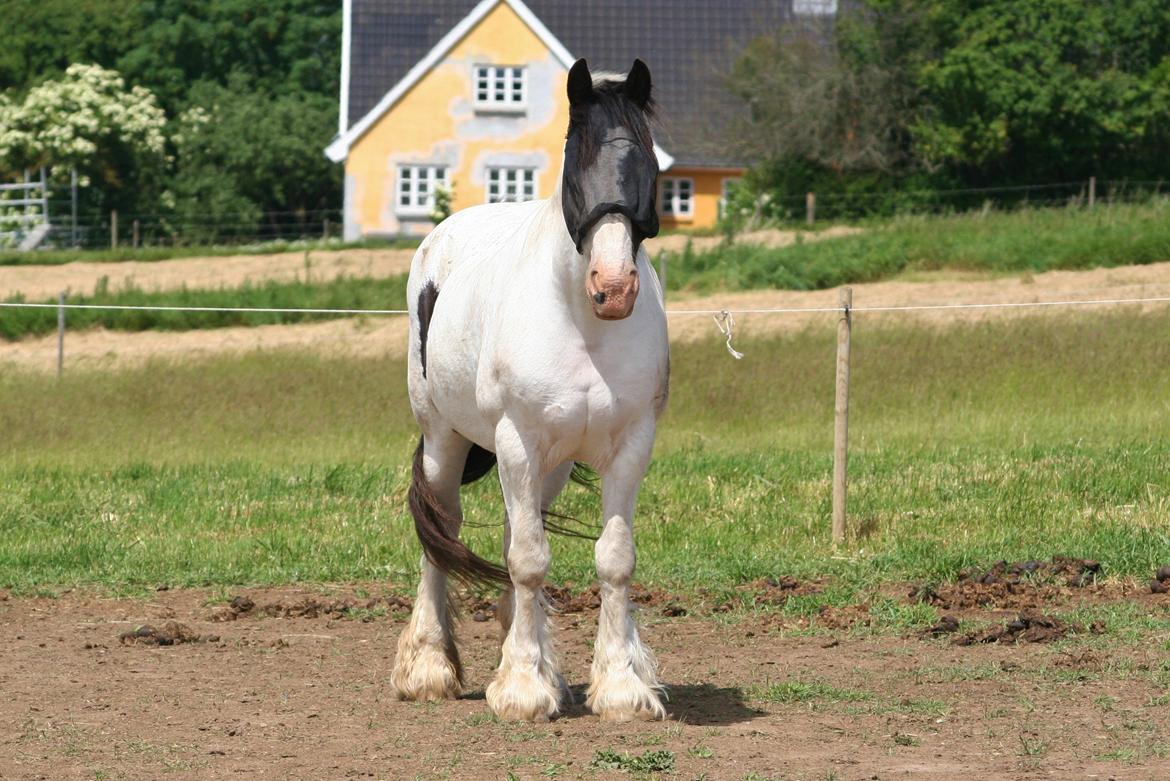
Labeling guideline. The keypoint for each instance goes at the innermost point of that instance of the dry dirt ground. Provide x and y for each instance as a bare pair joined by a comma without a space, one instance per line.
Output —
296,686
37,283
386,336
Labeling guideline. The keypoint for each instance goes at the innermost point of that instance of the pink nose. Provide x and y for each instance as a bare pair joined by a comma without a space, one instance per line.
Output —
613,295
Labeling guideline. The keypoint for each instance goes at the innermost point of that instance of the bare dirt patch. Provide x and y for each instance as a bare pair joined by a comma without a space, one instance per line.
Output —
302,691
770,237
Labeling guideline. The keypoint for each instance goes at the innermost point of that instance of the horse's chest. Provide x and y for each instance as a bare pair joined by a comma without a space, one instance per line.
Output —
586,416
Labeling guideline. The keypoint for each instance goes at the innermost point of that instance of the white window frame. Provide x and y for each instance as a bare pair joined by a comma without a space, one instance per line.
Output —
670,200
723,191
814,7
487,81
510,182
412,176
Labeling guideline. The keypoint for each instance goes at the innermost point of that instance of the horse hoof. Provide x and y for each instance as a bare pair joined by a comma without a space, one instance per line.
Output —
518,697
625,698
424,673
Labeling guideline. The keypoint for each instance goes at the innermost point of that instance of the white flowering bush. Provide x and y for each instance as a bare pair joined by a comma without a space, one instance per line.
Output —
87,119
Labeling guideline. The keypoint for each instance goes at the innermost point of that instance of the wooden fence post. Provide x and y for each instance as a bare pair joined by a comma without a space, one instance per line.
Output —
1092,191
810,207
325,229
134,240
841,422
114,229
60,334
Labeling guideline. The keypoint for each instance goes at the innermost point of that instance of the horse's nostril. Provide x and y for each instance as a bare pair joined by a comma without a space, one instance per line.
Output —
599,297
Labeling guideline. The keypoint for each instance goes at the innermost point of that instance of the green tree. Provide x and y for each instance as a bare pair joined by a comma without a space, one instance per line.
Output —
1034,90
273,47
239,154
90,121
44,37
908,94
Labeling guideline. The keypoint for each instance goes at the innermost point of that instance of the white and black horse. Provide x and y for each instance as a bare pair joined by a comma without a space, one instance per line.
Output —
532,346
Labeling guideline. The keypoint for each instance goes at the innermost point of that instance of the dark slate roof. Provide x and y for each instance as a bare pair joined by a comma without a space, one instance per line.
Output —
686,43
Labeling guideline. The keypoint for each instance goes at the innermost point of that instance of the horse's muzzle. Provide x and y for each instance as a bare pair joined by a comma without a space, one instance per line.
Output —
613,295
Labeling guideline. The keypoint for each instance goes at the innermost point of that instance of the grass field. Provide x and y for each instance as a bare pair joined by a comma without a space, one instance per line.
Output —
1020,439
1027,240
340,293
1017,242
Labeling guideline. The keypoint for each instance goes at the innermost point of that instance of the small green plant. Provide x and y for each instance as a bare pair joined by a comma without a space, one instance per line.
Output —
441,209
658,761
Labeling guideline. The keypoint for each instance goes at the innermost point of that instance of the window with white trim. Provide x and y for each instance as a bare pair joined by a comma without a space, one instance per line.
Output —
814,7
725,188
506,183
676,197
501,87
416,188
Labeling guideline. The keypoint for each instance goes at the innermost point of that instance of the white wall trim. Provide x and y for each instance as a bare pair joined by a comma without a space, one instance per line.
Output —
543,33
338,150
343,115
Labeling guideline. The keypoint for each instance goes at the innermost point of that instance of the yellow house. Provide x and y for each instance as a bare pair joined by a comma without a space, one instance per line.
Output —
469,98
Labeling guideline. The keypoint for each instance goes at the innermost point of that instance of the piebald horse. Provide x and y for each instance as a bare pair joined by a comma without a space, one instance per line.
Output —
533,345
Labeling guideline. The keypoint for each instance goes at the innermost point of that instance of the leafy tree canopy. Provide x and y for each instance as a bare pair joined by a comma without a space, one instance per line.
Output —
977,92
1049,89
273,46
90,121
44,37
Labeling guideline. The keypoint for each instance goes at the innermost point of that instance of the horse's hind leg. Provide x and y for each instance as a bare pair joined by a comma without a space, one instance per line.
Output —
427,666
527,686
624,681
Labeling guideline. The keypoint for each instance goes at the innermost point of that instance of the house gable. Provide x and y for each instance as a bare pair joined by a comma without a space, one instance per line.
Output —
432,120
340,147
688,44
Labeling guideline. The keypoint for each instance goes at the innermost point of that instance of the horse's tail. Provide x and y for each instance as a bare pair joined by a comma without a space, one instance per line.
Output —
435,528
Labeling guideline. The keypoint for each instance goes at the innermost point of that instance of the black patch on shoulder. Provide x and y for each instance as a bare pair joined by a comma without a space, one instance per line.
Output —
426,307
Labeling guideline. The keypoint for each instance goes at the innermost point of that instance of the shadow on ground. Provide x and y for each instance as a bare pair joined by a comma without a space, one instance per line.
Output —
709,705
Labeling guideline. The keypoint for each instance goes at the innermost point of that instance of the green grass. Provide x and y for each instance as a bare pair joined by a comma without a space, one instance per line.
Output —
1028,240
1015,440
813,691
658,761
153,254
340,293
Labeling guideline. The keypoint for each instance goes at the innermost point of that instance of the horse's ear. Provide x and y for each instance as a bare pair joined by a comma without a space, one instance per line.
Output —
580,83
637,86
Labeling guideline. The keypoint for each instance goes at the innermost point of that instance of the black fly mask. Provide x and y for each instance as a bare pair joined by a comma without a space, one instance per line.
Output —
610,167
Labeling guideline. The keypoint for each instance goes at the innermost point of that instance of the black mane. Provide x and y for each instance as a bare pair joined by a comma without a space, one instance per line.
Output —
616,110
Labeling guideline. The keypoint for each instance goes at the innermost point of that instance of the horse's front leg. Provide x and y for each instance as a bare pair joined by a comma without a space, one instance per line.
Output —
528,685
624,681
553,485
